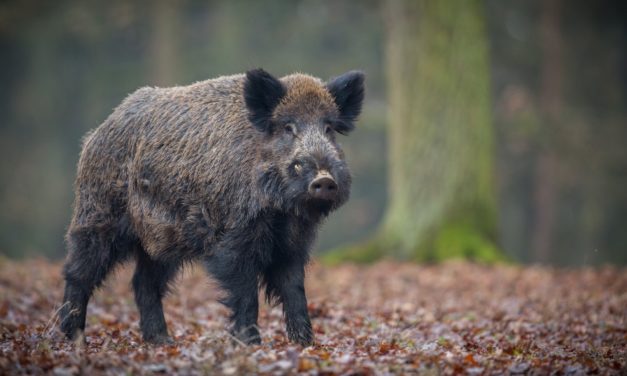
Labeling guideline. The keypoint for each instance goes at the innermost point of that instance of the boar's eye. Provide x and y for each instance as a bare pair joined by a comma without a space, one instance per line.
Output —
289,128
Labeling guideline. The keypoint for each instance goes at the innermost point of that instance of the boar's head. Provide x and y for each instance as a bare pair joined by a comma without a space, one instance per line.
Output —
302,165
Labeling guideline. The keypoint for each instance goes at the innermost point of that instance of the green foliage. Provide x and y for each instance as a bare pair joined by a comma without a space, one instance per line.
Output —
361,253
466,234
461,242
450,241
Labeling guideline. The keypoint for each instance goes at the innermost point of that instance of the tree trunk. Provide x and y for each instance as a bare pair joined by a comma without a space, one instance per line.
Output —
441,195
163,55
546,179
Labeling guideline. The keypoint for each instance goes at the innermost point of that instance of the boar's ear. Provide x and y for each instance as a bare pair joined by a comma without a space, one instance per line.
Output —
262,93
348,92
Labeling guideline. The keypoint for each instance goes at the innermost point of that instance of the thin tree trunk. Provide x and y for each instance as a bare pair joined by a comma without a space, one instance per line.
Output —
163,54
546,180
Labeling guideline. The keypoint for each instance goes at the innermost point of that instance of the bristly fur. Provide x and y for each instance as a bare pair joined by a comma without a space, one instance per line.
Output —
218,171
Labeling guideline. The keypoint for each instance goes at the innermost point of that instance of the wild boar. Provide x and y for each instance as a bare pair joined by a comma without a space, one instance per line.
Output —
236,172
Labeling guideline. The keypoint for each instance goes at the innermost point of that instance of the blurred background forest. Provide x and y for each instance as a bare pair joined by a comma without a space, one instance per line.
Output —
551,139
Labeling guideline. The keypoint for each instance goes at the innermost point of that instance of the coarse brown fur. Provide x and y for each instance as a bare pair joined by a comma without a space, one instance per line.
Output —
220,171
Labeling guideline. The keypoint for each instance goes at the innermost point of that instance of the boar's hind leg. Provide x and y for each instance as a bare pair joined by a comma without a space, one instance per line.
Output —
150,284
238,277
285,282
93,251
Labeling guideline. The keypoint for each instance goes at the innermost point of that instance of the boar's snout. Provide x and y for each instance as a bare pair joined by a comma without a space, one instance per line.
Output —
323,187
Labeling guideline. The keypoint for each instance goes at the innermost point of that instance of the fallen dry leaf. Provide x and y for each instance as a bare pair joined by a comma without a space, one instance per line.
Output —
385,318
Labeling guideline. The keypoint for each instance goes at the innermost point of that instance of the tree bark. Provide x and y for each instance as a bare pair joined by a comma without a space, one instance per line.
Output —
546,177
441,195
163,54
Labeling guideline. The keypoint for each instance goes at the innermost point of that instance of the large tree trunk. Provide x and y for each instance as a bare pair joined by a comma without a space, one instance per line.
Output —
442,200
441,195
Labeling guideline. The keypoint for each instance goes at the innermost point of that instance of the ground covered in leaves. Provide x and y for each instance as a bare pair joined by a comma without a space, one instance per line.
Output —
454,318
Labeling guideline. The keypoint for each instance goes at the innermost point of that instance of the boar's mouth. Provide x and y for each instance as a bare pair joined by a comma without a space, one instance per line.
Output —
324,206
305,206
314,208
292,195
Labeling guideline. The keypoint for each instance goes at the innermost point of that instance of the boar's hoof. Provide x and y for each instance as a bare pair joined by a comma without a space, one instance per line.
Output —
71,333
79,339
302,336
249,336
159,339
304,340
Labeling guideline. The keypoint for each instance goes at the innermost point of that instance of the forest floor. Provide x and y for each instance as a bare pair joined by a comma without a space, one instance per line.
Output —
452,318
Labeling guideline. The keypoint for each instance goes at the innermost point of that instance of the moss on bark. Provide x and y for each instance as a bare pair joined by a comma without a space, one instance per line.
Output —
441,193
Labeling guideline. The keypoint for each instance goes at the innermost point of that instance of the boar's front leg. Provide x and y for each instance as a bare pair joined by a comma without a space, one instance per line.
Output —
237,274
285,281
